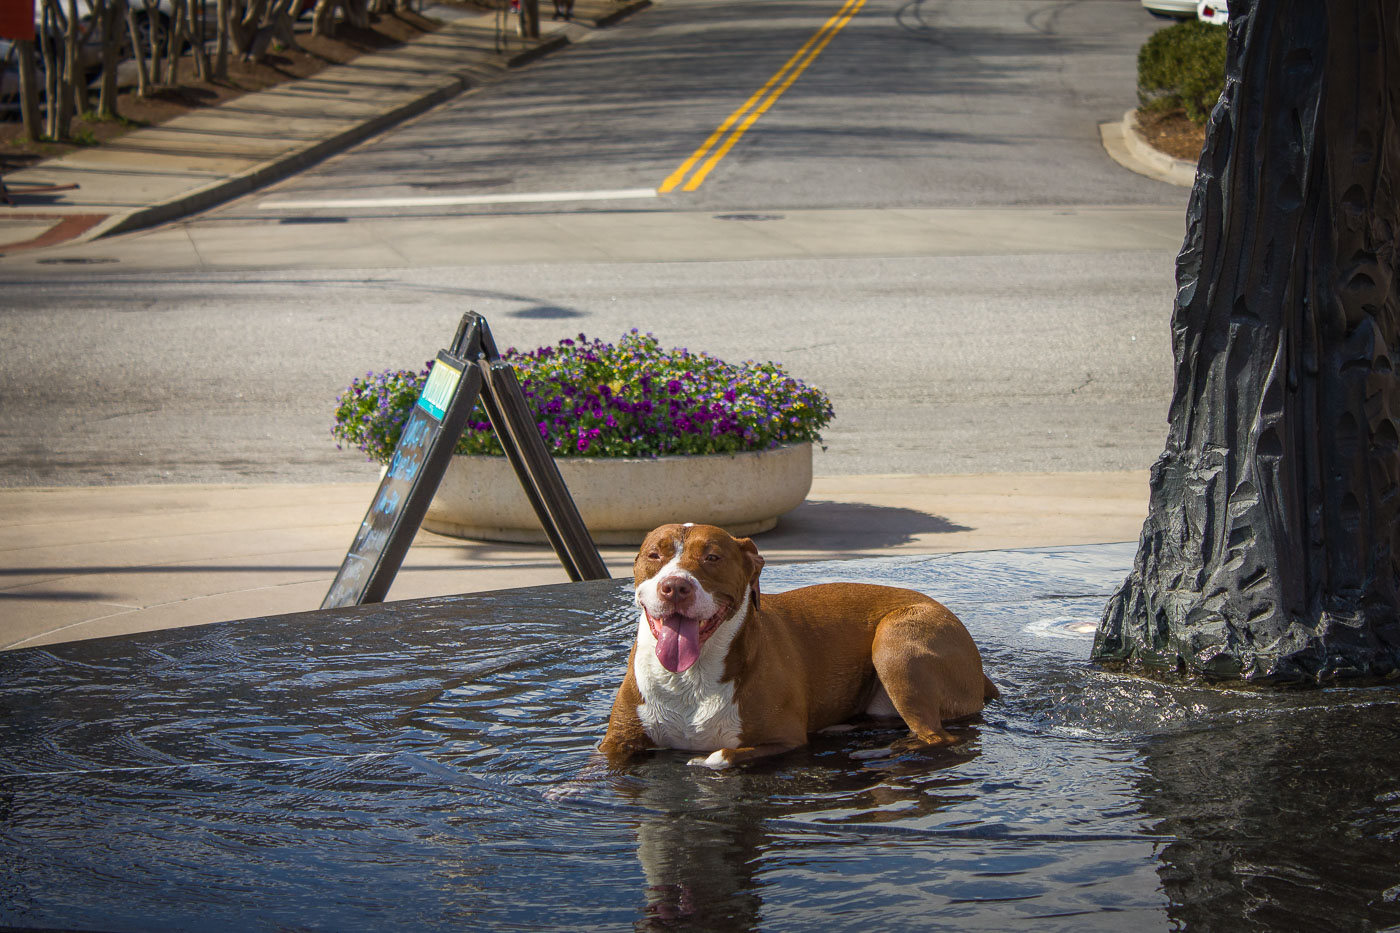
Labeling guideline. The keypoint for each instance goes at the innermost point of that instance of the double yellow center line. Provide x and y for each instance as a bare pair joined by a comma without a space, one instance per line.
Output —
738,122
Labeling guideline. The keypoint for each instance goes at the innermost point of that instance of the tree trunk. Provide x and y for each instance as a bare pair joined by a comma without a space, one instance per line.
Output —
222,12
49,56
175,40
59,90
277,25
323,18
357,13
29,90
74,74
109,14
138,54
1271,550
202,69
153,20
284,23
243,29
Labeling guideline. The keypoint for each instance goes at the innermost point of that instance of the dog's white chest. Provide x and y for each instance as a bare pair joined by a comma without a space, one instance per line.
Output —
692,710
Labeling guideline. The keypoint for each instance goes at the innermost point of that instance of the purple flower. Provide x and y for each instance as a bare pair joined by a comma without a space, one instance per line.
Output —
594,398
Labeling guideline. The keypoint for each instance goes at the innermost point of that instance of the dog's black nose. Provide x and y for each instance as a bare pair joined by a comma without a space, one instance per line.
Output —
676,589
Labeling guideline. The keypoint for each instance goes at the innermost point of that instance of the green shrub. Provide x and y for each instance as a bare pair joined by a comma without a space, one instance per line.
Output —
1183,67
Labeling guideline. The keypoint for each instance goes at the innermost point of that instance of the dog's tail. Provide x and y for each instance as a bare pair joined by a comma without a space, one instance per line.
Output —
989,689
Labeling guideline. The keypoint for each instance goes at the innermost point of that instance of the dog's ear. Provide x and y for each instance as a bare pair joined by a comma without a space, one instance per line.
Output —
755,561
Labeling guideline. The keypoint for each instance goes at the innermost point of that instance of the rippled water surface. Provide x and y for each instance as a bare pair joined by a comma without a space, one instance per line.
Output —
430,765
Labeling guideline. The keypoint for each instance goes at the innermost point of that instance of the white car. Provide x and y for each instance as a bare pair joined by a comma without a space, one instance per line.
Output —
1177,9
1215,12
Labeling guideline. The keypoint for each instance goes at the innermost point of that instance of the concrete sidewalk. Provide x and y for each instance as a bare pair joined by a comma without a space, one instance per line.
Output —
85,562
205,157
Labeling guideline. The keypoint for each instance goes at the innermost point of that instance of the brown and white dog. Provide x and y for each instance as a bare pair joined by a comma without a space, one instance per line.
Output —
715,669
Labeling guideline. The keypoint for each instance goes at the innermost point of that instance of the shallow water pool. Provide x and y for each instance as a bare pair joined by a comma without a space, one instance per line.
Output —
429,765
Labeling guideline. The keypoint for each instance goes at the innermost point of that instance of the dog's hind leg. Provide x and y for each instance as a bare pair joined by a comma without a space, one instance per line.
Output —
931,669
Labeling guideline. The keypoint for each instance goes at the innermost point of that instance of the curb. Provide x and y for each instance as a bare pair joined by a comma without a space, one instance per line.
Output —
1127,147
274,170
546,46
623,10
250,180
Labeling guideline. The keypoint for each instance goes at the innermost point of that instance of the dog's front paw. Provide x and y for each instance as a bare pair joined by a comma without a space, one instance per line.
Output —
715,761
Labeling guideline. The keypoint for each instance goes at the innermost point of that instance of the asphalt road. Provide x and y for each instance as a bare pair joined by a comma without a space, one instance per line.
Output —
924,224
915,103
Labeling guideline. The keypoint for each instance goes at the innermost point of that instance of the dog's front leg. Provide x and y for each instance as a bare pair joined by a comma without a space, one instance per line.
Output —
729,757
625,736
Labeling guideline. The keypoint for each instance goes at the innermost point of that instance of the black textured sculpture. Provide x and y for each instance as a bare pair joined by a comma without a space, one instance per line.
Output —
1271,549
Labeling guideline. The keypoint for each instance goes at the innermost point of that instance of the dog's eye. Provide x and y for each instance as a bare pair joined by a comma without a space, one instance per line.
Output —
711,557
654,555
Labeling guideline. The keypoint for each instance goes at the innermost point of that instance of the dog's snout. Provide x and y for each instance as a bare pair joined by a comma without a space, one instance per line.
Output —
676,589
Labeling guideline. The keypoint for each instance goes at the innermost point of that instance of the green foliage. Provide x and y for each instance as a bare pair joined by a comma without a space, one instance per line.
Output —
1183,67
634,398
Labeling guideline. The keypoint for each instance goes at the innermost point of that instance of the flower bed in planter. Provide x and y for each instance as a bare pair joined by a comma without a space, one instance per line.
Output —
598,403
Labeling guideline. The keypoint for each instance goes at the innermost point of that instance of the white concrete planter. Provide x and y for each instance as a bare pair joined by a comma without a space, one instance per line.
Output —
621,500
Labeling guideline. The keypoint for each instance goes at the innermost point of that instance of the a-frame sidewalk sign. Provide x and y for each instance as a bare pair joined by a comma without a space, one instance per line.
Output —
471,369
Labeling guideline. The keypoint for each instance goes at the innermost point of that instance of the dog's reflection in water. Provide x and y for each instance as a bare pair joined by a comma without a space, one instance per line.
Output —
708,836
700,868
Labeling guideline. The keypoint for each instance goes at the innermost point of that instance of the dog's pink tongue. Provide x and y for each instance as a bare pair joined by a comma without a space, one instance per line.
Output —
679,645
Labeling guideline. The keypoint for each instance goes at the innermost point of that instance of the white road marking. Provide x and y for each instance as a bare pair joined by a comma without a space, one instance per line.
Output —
455,200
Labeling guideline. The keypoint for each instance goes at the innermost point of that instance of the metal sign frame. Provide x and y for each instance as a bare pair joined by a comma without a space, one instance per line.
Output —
472,368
